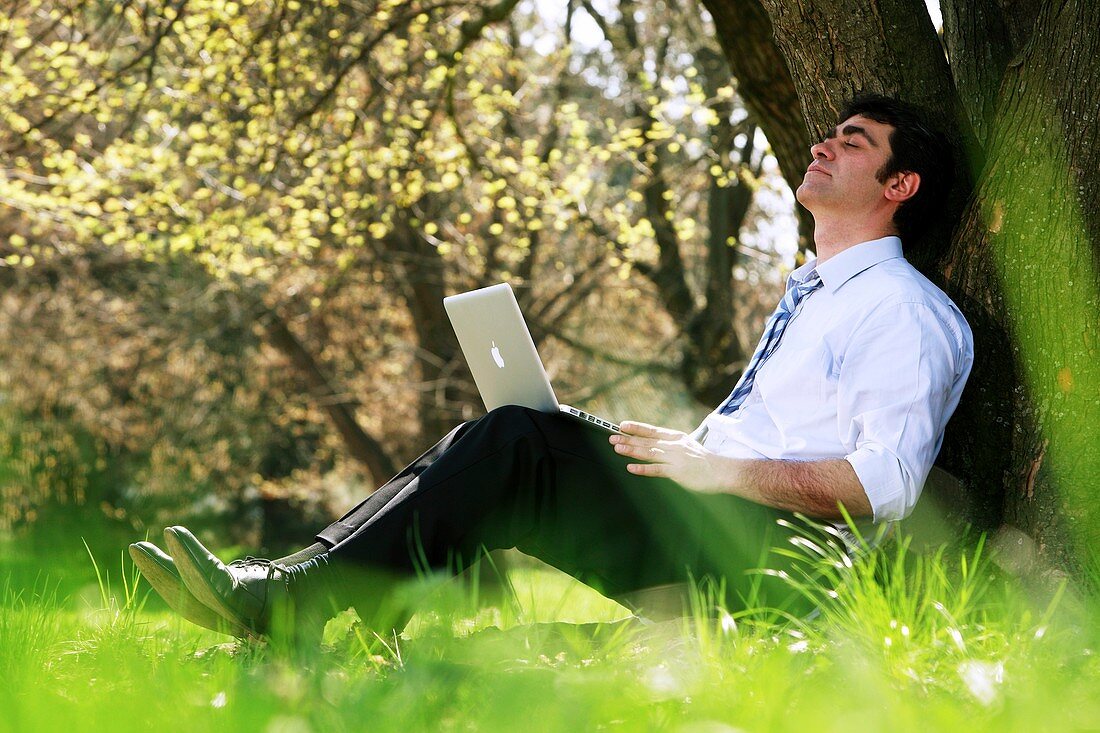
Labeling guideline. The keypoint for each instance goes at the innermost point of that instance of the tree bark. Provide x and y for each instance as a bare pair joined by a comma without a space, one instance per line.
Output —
979,48
1034,223
867,45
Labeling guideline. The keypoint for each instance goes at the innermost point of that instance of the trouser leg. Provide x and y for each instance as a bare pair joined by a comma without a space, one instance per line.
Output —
554,488
358,515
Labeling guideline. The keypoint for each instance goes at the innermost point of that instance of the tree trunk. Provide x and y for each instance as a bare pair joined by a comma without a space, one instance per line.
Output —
422,281
979,46
1030,243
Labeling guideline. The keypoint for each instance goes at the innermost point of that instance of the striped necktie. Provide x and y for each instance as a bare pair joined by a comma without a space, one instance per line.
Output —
769,342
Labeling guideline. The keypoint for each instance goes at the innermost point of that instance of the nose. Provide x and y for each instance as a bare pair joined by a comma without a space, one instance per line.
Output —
822,149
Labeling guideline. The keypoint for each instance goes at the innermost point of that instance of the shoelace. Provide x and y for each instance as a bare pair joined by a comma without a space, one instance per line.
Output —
285,571
288,572
250,560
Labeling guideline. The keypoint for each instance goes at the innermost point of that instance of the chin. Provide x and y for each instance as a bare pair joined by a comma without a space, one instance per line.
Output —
804,195
812,194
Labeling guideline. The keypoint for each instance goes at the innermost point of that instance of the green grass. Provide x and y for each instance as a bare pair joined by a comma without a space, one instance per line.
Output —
904,641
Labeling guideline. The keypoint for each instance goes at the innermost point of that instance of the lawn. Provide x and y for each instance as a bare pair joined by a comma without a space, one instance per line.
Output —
929,641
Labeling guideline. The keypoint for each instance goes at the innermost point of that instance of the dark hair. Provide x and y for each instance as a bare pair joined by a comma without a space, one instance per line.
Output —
916,146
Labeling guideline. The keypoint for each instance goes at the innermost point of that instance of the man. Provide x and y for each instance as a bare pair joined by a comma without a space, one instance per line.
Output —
842,408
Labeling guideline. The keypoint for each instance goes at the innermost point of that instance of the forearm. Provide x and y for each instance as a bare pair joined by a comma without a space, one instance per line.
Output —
814,488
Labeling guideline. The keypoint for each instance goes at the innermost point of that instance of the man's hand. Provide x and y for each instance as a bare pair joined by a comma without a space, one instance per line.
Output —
672,454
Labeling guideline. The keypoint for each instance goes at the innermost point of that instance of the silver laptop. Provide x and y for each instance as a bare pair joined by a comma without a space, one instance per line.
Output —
502,357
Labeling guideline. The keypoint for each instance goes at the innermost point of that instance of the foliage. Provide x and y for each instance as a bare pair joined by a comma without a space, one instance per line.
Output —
184,179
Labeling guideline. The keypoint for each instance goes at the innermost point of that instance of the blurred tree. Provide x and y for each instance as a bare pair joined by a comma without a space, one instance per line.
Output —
207,190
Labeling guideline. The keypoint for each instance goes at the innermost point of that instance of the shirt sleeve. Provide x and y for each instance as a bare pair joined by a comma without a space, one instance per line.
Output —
894,389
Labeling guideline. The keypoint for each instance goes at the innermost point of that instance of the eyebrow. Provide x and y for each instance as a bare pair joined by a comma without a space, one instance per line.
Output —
853,130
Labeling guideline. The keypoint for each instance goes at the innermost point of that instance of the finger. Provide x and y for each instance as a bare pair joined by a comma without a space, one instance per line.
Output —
632,440
645,452
652,431
641,429
647,469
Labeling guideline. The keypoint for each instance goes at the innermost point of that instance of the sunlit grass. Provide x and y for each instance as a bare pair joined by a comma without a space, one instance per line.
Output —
903,641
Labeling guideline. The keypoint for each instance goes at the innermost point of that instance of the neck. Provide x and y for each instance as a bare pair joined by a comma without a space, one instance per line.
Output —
833,236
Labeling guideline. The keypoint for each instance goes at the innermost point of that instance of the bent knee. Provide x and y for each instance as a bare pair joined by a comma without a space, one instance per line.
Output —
511,414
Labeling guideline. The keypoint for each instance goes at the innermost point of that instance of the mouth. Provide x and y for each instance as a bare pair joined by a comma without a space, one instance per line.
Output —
815,169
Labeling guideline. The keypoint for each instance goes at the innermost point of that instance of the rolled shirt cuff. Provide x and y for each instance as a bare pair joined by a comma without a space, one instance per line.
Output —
884,481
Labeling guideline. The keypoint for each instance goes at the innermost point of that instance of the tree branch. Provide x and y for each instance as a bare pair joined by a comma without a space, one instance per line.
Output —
763,81
336,403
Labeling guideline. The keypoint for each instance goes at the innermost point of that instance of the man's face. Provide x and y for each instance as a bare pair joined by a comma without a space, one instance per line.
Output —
843,174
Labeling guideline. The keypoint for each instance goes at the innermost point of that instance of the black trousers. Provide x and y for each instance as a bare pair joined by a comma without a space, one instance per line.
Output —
554,488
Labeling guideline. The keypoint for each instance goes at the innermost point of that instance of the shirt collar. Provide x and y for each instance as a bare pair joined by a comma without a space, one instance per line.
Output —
842,267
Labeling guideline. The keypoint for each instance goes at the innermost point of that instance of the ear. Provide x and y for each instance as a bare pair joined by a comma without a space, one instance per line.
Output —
902,186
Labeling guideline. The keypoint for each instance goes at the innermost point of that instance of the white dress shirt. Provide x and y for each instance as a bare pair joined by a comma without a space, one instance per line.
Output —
870,368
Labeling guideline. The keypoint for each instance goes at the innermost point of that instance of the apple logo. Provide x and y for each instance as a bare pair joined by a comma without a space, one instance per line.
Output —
496,355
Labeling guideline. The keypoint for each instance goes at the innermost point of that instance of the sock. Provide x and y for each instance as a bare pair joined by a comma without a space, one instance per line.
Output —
305,555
